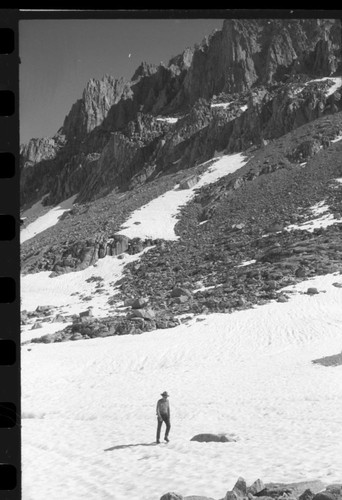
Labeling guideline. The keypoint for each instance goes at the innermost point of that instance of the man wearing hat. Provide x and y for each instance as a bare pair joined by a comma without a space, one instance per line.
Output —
163,415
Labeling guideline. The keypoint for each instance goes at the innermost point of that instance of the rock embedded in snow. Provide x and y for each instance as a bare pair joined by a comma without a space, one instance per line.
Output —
142,313
76,336
305,490
172,496
86,314
36,325
306,495
44,309
216,438
256,487
240,487
312,291
282,298
327,495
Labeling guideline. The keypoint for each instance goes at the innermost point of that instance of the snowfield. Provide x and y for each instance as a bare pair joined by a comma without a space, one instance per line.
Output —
88,407
66,292
158,218
321,218
47,220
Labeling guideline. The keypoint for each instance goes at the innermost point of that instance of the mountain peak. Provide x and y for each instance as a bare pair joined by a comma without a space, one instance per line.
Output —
144,69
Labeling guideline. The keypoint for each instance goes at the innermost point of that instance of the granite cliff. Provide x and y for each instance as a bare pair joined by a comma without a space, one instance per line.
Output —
248,62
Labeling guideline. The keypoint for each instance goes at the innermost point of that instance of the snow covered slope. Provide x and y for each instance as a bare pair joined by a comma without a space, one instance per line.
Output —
89,406
157,219
47,220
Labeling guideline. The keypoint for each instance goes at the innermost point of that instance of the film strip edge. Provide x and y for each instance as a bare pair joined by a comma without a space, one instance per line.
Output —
10,438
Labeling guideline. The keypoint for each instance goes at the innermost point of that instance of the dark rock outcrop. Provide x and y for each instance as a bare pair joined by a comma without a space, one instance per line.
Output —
115,120
216,438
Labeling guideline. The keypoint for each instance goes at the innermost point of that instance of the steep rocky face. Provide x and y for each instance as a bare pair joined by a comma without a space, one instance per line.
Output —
112,134
37,150
90,111
246,52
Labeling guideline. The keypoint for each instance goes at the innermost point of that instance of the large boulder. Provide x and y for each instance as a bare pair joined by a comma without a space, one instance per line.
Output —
306,495
46,339
23,318
142,313
178,291
239,492
256,487
327,495
36,325
76,336
172,496
86,314
59,318
139,303
120,244
275,490
240,487
44,309
216,438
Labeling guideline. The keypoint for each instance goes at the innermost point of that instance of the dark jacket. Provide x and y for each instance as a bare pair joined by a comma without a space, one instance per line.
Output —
163,408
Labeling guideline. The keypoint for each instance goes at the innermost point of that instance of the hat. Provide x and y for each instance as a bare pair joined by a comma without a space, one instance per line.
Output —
164,393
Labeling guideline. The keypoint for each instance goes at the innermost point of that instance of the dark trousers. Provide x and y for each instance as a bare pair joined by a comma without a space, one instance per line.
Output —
166,419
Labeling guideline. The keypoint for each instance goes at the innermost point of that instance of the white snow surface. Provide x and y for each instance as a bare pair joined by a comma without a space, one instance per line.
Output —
323,218
47,220
246,263
60,291
157,219
337,139
88,406
223,105
337,83
168,119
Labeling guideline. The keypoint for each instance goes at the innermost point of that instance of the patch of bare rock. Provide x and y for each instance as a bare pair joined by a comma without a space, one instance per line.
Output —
334,360
304,490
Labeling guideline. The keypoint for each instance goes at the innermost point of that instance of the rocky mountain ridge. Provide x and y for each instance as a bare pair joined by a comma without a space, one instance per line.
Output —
126,143
120,129
241,239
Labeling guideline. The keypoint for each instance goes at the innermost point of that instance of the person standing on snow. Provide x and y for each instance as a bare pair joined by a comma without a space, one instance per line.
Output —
163,415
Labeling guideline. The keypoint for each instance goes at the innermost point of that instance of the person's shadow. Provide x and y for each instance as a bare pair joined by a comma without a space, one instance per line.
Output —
122,446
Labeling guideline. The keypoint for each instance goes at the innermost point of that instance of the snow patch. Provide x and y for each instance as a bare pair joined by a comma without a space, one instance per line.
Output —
47,220
204,288
326,219
337,139
158,218
223,105
68,291
319,208
168,119
246,263
337,83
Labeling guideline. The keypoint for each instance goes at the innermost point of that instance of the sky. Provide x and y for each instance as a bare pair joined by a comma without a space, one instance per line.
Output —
58,57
